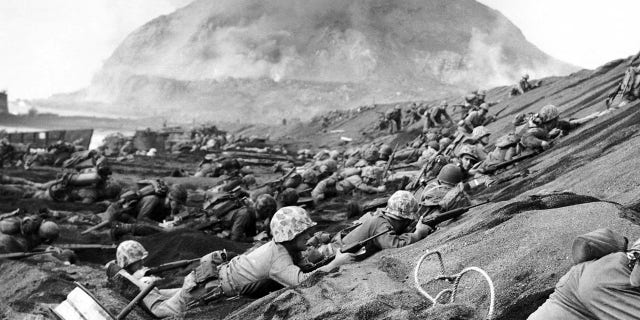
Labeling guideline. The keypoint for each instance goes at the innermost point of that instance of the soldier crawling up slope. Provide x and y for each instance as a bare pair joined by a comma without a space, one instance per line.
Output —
604,282
269,267
454,168
629,87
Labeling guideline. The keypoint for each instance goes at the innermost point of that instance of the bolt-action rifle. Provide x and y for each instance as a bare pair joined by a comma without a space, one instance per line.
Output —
278,181
495,167
171,266
434,220
389,162
429,165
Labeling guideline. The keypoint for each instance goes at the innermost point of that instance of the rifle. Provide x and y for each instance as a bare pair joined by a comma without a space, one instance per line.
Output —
80,246
279,180
434,220
389,162
15,255
171,266
495,167
10,214
352,248
113,211
429,165
503,109
412,185
355,247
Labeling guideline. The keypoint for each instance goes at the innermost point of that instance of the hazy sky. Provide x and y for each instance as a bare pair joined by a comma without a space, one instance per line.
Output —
587,33
52,46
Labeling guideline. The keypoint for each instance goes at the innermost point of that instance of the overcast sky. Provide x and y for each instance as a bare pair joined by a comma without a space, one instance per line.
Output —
51,46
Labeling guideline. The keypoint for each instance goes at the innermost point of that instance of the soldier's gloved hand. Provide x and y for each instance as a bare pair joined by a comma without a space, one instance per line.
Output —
168,225
149,280
261,236
423,230
343,258
381,188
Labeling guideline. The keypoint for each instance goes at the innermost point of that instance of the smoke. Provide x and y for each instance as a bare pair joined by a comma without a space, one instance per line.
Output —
397,49
492,60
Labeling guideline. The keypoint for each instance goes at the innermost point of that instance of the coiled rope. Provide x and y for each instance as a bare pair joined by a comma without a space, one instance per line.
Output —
455,278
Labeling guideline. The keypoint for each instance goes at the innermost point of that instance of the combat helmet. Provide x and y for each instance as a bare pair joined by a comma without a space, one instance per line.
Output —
129,252
289,222
402,205
479,132
450,174
548,113
265,205
467,150
178,193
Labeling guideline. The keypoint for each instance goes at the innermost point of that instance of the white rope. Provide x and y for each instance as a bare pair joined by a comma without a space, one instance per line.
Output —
456,281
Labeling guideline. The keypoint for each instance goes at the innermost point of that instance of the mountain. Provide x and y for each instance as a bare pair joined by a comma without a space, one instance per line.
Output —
257,60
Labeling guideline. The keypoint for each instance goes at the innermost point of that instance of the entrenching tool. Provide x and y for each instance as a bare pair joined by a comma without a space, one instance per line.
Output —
82,305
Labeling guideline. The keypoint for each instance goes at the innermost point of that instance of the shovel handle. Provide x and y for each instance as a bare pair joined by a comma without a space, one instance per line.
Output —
123,314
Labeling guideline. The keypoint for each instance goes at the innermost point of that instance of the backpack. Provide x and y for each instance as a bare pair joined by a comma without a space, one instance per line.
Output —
597,244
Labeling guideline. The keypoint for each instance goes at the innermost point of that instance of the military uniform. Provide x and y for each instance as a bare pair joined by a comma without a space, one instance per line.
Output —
399,216
26,233
395,115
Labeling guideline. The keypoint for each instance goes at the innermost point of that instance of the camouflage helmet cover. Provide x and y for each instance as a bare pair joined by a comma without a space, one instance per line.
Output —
293,181
444,142
371,155
466,150
265,205
372,172
548,113
331,164
402,205
129,252
431,136
289,197
479,132
249,180
178,193
289,222
310,177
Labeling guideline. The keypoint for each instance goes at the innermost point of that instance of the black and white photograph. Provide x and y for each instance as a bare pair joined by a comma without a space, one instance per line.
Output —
319,159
